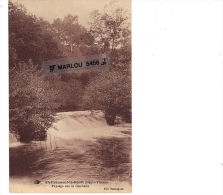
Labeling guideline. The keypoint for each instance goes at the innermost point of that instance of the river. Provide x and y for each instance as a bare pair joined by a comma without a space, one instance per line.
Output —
80,146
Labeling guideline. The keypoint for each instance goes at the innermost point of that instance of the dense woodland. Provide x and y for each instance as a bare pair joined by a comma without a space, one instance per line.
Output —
34,99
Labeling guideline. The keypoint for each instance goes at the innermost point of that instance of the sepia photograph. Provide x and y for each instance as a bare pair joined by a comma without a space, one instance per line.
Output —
70,96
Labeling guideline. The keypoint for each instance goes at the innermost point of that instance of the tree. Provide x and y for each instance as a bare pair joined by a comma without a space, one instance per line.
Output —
31,99
71,34
69,91
110,28
111,91
34,41
31,103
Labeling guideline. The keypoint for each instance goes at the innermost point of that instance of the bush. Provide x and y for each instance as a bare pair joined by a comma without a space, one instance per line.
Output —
110,92
69,91
110,116
31,103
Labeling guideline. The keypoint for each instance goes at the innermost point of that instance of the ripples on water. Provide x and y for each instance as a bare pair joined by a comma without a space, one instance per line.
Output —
107,159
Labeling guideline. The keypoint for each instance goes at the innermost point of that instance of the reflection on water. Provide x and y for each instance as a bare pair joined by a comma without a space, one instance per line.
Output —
106,159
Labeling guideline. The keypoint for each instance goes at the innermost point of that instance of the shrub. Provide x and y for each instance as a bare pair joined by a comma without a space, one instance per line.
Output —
31,103
110,92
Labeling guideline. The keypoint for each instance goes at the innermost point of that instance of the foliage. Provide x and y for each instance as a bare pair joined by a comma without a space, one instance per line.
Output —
69,91
34,99
110,92
30,103
71,34
28,39
110,28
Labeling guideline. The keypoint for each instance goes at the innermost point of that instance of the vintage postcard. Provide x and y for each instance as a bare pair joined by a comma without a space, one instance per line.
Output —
70,96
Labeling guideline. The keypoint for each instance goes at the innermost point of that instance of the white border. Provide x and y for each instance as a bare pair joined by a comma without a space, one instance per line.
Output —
4,138
177,97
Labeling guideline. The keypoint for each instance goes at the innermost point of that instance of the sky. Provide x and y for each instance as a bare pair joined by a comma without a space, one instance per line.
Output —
51,9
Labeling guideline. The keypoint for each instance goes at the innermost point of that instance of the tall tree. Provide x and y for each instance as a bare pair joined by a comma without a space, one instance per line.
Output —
31,100
28,39
110,28
111,91
71,33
